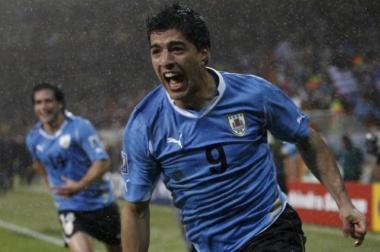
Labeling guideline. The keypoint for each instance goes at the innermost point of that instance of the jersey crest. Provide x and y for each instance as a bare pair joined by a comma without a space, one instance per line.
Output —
237,124
64,141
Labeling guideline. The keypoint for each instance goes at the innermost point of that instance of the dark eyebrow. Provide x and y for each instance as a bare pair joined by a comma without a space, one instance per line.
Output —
171,44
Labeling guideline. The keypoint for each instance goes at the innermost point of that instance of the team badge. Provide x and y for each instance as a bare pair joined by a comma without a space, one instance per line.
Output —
64,141
237,124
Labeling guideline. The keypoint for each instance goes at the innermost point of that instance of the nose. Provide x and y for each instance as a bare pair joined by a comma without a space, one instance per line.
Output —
167,59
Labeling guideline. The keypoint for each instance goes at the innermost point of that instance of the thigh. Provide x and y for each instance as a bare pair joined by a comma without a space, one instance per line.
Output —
104,224
70,224
284,235
80,242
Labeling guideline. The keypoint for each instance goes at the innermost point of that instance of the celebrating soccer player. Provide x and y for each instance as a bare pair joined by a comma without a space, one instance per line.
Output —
69,155
206,132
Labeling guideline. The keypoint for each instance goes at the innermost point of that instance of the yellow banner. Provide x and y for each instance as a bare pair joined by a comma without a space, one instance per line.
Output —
376,207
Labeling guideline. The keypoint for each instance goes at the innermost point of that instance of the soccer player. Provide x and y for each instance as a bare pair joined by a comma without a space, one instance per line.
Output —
69,155
205,131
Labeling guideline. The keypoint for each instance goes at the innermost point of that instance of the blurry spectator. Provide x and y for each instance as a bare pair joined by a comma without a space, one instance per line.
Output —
372,148
7,154
351,159
366,110
344,82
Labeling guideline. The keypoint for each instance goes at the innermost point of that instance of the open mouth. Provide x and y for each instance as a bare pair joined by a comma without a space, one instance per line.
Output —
175,81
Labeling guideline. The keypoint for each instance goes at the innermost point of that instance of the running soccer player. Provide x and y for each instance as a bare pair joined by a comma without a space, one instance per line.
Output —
70,156
205,131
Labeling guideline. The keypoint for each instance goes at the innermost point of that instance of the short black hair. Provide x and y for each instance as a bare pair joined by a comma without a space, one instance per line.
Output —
58,93
191,24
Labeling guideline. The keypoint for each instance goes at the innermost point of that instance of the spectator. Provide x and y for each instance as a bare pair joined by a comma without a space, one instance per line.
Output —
351,159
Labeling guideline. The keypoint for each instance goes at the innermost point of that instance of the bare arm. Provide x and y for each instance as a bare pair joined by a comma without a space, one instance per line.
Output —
95,172
41,170
320,160
135,231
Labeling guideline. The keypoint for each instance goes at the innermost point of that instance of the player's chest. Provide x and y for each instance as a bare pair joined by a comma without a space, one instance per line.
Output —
54,152
219,128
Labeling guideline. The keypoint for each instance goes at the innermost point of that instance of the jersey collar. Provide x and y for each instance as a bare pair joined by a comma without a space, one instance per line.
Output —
198,114
67,115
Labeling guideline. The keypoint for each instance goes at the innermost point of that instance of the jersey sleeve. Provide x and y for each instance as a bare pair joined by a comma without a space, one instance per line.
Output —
140,171
283,118
90,141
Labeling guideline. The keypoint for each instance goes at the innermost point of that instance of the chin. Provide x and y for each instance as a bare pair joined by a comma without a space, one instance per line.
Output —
177,95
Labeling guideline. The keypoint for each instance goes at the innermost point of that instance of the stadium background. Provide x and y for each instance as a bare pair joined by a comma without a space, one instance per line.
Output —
98,52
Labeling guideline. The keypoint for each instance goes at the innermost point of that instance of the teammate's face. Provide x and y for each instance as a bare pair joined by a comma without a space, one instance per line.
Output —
178,64
46,106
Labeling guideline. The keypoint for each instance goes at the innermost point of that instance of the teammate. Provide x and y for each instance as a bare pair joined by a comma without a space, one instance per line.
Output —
69,155
205,131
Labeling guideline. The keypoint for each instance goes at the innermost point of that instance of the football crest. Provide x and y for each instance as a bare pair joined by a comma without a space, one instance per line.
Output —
237,123
64,141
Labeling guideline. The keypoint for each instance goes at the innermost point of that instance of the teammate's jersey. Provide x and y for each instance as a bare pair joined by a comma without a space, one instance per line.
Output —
216,162
70,153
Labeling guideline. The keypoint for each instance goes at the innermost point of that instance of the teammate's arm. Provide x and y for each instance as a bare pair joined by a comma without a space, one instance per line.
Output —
320,160
95,172
41,170
135,230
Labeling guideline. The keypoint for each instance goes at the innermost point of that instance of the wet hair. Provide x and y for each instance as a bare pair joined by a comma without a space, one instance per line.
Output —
58,93
191,24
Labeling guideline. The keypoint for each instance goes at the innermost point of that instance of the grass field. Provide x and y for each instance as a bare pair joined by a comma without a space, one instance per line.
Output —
30,209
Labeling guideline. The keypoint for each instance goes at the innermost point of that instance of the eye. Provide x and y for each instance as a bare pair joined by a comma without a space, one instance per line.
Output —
177,49
155,51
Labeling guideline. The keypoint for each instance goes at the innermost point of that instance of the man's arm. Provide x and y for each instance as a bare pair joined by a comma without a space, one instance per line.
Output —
320,160
41,170
95,172
135,231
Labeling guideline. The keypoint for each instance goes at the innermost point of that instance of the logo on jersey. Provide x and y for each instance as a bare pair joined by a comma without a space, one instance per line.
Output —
40,147
299,119
64,141
175,141
237,124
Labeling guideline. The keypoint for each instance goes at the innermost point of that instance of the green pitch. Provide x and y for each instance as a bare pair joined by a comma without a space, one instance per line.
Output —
32,208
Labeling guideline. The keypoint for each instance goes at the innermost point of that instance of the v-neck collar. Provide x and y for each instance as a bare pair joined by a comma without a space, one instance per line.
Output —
67,115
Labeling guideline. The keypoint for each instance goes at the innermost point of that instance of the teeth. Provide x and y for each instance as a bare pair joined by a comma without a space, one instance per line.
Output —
169,75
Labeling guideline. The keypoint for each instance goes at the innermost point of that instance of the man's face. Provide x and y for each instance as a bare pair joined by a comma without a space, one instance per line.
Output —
46,107
177,63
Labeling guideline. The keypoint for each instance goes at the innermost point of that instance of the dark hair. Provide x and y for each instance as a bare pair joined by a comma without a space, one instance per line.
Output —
58,93
187,21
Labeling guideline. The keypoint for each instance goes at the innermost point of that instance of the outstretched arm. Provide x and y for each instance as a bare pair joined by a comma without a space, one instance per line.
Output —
135,227
320,160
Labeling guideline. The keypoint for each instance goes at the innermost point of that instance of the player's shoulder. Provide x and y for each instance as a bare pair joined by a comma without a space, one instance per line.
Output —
33,133
76,120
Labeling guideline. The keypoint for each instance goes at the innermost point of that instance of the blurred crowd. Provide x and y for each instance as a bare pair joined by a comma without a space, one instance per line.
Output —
344,80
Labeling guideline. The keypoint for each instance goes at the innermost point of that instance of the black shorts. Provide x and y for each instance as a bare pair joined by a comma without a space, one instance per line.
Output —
284,235
103,224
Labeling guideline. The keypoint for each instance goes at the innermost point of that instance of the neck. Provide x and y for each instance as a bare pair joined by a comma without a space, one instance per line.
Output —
53,126
205,94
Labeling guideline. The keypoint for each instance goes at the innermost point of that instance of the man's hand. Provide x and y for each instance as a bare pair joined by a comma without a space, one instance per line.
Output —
354,224
70,188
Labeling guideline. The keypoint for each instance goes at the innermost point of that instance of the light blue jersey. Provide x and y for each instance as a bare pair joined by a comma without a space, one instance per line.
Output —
216,162
70,153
